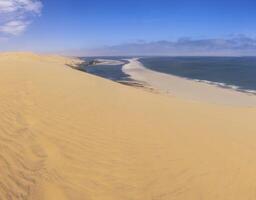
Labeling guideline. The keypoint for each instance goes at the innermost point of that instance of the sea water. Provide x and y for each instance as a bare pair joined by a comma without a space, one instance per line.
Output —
238,73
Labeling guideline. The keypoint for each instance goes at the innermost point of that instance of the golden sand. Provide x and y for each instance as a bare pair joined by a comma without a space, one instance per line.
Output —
65,134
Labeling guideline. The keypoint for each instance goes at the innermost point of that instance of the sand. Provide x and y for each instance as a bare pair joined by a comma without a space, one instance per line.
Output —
109,62
187,89
65,134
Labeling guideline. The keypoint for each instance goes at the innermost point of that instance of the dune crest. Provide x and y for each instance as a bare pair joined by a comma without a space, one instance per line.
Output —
65,134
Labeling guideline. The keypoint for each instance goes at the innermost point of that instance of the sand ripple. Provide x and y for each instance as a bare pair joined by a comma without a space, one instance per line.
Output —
68,135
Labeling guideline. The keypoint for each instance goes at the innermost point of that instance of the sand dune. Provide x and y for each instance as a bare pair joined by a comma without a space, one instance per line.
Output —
65,134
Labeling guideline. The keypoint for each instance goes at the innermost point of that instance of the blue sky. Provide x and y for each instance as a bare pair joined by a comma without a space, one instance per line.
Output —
81,25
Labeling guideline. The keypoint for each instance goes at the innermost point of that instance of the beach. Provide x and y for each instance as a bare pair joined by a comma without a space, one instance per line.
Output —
186,88
66,134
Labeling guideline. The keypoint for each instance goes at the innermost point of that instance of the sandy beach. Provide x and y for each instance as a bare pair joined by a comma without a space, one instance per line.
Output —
187,89
109,62
65,134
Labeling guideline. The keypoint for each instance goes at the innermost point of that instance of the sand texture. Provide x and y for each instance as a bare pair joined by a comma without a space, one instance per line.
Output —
65,134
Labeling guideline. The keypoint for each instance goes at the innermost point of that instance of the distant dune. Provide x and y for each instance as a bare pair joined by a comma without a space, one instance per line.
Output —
65,134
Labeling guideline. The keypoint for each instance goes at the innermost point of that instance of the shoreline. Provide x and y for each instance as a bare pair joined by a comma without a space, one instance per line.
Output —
194,90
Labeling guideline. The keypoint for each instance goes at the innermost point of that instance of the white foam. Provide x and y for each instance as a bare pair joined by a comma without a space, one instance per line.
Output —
224,85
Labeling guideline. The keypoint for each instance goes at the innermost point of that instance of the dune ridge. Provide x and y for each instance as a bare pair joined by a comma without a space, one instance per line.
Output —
65,134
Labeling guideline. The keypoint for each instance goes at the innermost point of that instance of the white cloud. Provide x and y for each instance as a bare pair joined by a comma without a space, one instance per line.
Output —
16,15
239,45
14,27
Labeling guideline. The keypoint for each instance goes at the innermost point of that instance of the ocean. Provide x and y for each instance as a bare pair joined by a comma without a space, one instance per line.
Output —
112,72
238,73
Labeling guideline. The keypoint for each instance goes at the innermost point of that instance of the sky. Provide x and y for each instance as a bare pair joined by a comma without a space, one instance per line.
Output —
115,27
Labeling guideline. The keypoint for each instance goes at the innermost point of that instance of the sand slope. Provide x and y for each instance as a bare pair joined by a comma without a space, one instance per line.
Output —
68,135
